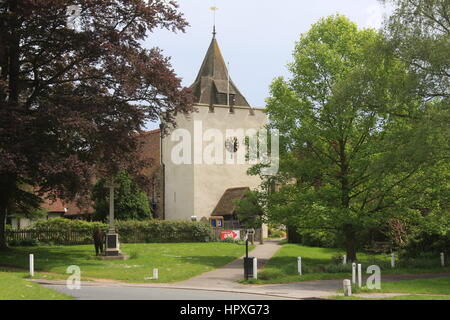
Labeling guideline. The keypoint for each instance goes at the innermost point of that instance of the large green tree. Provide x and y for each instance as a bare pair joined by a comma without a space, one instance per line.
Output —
74,96
355,137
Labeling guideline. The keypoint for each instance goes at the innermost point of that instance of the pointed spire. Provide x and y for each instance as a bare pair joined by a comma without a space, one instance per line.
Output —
212,84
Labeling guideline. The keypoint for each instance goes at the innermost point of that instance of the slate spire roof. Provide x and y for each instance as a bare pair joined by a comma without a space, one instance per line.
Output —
211,85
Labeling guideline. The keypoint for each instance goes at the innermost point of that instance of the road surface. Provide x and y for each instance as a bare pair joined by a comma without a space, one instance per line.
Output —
134,293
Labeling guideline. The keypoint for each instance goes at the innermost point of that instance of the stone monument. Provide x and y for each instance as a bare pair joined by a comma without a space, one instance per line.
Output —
112,237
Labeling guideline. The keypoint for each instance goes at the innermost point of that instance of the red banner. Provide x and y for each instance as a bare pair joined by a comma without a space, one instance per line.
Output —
229,234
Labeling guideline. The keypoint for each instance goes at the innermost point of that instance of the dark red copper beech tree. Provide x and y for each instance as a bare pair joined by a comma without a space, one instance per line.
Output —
76,87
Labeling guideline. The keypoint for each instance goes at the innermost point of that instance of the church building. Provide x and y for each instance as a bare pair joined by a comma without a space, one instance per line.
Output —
197,188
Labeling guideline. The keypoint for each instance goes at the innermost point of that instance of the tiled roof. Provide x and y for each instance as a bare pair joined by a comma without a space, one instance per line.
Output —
151,150
226,205
213,78
53,206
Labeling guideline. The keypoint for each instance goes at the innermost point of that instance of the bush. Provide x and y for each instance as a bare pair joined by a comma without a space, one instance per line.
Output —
65,225
337,259
428,260
24,243
65,231
318,238
276,233
427,244
154,231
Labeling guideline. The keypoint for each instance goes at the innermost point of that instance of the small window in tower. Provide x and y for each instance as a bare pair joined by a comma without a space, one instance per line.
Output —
221,99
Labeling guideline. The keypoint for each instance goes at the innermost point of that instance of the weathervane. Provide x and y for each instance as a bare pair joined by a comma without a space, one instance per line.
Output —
214,9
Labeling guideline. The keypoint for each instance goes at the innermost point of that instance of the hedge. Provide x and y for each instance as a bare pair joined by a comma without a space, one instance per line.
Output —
63,231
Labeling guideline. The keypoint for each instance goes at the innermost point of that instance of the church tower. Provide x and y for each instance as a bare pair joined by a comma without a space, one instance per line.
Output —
195,185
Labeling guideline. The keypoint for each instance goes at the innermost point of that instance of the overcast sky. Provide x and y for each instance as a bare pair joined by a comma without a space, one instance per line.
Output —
257,37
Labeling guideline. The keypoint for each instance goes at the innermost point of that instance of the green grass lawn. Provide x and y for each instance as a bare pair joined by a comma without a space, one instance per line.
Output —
175,261
14,287
317,264
422,286
423,289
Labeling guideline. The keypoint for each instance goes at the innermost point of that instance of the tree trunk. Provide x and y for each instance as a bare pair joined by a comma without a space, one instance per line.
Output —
7,183
293,236
350,242
3,245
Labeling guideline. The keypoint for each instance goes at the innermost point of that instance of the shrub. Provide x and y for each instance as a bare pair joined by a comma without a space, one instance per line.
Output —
337,259
153,231
64,225
24,243
427,244
276,233
428,260
64,231
318,238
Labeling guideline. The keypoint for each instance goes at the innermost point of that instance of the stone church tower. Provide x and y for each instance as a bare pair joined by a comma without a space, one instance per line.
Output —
196,187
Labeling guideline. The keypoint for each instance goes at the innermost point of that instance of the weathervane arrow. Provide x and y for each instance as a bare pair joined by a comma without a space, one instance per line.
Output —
214,9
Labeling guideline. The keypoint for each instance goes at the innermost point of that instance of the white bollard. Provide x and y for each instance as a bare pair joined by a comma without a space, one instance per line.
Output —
442,259
299,265
344,259
255,268
347,288
155,274
354,273
31,265
359,276
393,260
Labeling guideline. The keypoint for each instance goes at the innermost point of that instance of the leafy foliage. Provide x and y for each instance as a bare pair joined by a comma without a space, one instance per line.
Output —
249,210
72,99
359,147
56,231
130,203
64,225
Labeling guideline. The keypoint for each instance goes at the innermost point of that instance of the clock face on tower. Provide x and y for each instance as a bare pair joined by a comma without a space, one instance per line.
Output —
232,145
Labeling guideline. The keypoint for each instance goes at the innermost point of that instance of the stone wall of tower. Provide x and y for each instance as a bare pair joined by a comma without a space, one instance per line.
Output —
178,179
195,190
211,181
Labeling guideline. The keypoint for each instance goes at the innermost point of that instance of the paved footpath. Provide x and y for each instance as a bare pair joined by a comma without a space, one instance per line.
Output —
225,279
